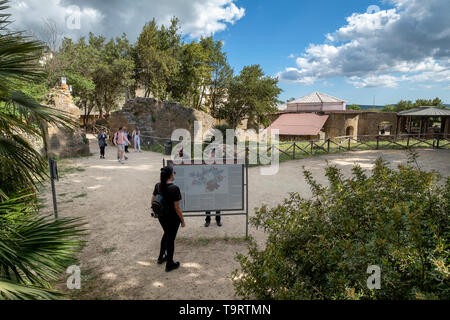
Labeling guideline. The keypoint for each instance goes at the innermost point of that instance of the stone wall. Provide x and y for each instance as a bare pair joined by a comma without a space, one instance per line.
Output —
157,119
369,122
363,123
337,124
63,142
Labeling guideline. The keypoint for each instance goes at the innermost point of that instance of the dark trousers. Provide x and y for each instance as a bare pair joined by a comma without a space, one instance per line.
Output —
126,149
208,216
102,151
170,227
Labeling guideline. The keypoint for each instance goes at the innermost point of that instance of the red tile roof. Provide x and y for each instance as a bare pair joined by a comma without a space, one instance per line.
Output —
299,124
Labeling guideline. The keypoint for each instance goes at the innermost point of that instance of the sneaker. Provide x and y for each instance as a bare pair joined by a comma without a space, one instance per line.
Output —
172,266
207,223
219,223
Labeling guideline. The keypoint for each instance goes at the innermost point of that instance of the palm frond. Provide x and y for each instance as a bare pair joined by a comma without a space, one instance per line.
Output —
34,249
21,165
12,291
38,113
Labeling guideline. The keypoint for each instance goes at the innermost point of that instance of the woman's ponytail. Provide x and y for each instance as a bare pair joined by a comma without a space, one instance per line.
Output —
166,173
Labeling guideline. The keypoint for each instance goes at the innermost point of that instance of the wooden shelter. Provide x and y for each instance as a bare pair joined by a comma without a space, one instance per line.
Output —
422,121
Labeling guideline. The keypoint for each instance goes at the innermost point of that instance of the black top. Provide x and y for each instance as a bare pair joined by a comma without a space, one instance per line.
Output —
173,195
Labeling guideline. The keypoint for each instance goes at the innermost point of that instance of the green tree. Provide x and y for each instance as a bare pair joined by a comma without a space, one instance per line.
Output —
114,74
156,54
194,77
388,108
403,105
220,76
251,95
320,248
353,107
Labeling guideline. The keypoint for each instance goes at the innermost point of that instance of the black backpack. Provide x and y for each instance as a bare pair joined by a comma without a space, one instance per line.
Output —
158,206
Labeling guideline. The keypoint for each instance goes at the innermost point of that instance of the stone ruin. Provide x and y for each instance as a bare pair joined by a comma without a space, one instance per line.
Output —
158,119
63,142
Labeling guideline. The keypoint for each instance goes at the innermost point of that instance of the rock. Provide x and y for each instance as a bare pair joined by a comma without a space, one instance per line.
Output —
63,142
158,119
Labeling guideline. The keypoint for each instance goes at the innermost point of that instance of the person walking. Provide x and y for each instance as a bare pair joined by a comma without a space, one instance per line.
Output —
102,143
119,140
126,144
114,137
136,135
172,218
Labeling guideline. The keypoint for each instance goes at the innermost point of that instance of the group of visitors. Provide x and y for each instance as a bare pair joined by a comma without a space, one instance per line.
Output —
122,140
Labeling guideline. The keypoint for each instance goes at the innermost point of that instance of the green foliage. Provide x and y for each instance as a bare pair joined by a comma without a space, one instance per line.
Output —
21,117
406,105
100,71
251,95
353,107
388,108
34,250
157,50
320,248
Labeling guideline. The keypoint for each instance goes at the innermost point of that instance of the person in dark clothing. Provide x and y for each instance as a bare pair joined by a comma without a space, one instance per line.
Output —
127,144
172,218
208,213
102,143
208,219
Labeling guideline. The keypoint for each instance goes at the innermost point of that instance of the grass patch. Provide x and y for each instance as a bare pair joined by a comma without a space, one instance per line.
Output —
62,194
92,287
83,195
63,170
154,147
109,250
204,241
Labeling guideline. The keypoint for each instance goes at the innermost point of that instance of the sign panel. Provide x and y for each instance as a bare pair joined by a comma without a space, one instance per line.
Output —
210,187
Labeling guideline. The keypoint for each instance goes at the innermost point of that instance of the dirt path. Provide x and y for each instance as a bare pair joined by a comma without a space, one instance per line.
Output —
123,243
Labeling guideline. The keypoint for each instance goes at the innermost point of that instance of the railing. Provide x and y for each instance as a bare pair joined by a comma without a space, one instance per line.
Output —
368,142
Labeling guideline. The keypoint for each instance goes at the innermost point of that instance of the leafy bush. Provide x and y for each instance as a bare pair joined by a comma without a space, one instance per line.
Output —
320,248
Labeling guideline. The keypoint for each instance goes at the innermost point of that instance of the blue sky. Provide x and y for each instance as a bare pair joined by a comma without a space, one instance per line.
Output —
400,49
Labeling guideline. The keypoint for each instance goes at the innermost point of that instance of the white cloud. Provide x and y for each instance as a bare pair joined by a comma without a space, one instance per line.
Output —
113,17
410,42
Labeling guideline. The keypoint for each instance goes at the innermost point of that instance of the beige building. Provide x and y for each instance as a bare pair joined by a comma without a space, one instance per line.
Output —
321,116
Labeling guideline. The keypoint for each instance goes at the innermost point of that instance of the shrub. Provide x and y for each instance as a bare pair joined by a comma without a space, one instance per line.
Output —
320,248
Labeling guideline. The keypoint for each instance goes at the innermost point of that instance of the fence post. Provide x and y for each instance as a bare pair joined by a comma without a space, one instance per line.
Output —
378,142
294,151
407,143
349,143
312,150
438,136
328,148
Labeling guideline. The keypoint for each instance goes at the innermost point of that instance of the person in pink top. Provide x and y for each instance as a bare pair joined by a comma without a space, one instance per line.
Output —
119,140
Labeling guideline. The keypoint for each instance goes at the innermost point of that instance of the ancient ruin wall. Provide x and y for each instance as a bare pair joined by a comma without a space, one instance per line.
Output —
158,119
63,142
